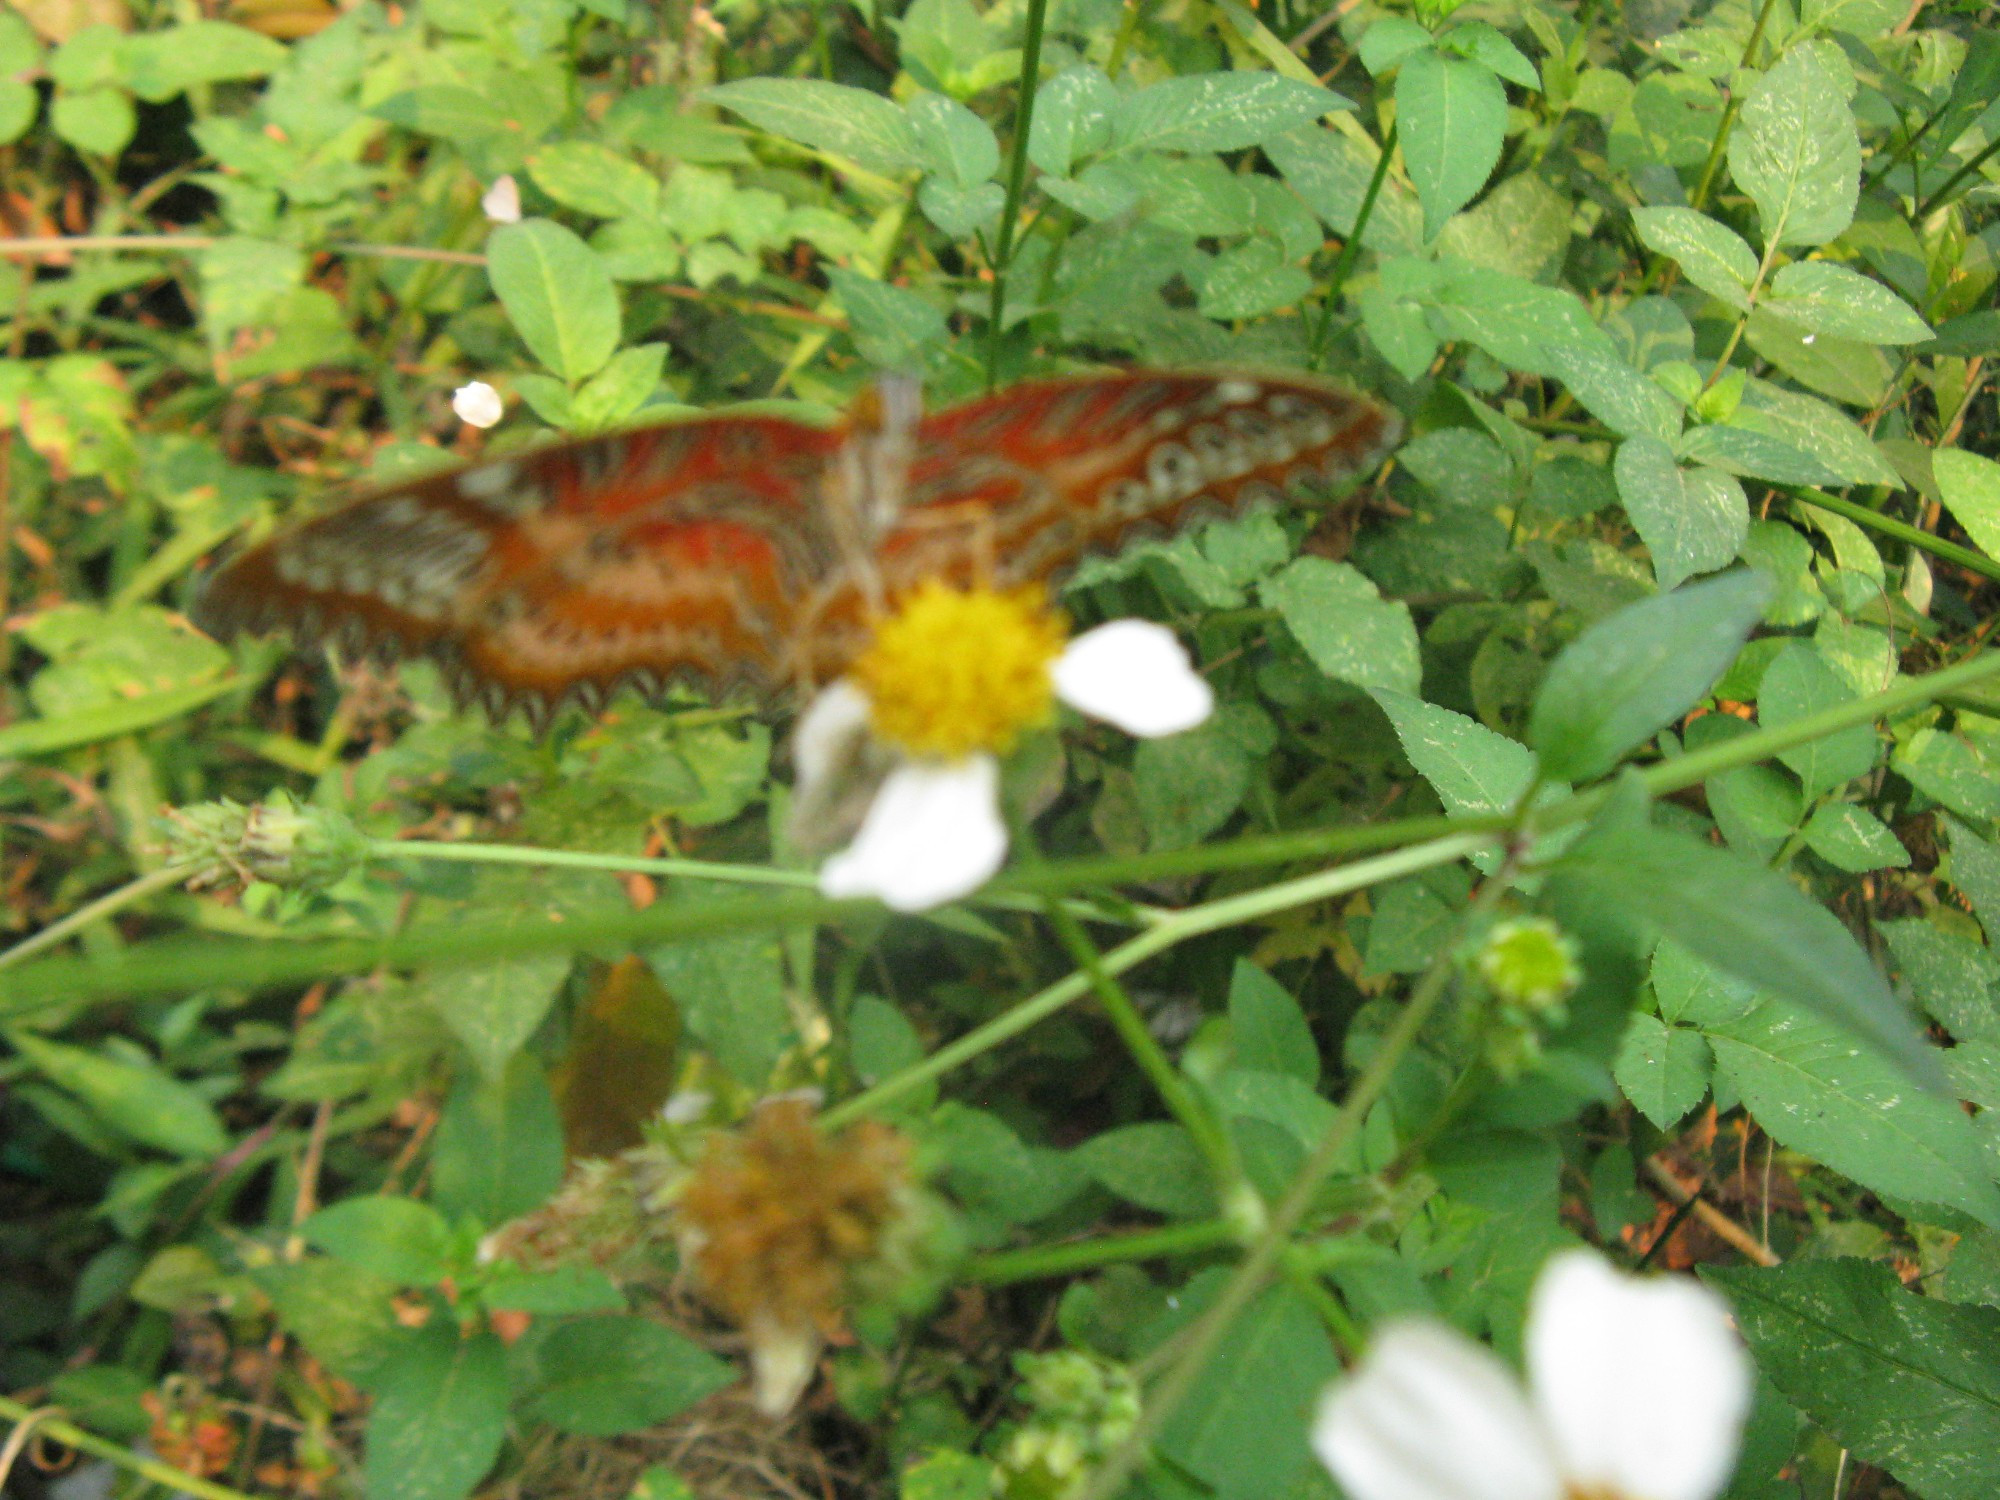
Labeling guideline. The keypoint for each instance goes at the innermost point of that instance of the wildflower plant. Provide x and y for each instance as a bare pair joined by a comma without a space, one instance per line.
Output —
1530,906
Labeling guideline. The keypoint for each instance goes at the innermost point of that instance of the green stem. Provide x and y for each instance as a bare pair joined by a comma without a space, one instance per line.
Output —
1902,531
1039,1262
1930,204
1017,182
1729,113
1209,1137
70,1435
1266,1255
584,859
1211,916
104,906
1336,281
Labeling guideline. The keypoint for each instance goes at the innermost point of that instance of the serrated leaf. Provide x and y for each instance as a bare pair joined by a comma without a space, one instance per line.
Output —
1616,394
1831,299
1627,677
864,127
1348,629
1473,769
1452,117
1796,152
1796,685
1711,255
1692,520
141,1101
440,1415
1662,1069
1218,111
602,1376
1853,839
594,179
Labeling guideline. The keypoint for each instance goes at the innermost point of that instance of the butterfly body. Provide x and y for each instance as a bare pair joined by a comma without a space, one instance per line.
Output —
753,551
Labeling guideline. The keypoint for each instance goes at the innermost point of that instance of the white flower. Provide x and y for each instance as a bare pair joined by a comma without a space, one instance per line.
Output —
477,404
502,202
933,830
1637,1391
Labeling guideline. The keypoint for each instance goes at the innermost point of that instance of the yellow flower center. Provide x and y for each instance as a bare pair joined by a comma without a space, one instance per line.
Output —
953,672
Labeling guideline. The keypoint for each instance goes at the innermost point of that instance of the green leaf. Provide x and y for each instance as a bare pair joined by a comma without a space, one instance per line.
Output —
1798,684
1692,520
894,329
1389,41
956,144
618,391
731,992
1711,255
1241,1434
1975,873
1853,839
1831,299
439,1417
1348,629
1742,919
1451,116
397,1239
606,1375
1908,1383
1969,485
1662,1069
557,293
565,1290
499,1147
19,104
1616,394
345,1317
1189,785
140,1101
98,122
161,64
1820,1093
1795,149
1629,676
1250,280
864,127
1692,993
1072,119
1792,438
494,1008
594,179
1948,769
1154,1165
1513,319
1473,769
1217,112
449,111
1267,1030
1955,978
1485,43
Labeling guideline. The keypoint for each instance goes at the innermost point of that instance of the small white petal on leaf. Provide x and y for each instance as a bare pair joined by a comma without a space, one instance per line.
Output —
1430,1415
1640,1382
1134,675
477,404
502,203
932,835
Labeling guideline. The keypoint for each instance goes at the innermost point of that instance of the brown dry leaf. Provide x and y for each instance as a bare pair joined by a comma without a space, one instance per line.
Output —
285,20
623,1049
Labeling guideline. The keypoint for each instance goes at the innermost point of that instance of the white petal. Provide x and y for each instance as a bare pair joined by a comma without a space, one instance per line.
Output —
825,734
782,1362
933,834
1135,675
502,203
1429,1415
1640,1381
477,404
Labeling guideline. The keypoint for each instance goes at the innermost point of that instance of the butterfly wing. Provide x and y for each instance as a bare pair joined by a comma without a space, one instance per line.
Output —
642,557
1047,473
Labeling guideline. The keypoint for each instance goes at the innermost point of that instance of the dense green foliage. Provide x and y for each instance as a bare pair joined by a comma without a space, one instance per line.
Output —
1664,625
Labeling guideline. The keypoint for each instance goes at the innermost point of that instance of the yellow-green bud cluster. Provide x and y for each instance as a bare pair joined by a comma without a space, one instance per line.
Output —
279,841
1082,1408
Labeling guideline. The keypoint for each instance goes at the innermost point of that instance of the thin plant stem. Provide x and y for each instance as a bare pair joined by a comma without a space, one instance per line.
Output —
1889,526
64,244
1017,182
1267,1254
178,964
585,859
1209,1137
106,905
1336,280
1211,916
1930,204
1699,198
1039,1262
73,1436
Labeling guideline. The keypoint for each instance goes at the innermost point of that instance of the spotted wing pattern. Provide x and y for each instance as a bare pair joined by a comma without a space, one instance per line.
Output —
736,550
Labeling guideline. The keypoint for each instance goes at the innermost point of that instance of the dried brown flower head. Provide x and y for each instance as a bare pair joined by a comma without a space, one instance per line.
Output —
776,1220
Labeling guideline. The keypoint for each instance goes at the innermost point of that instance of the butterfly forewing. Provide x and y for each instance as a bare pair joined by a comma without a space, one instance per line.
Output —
725,549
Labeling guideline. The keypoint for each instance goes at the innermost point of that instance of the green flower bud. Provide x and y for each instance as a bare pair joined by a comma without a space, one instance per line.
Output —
1529,963
278,841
